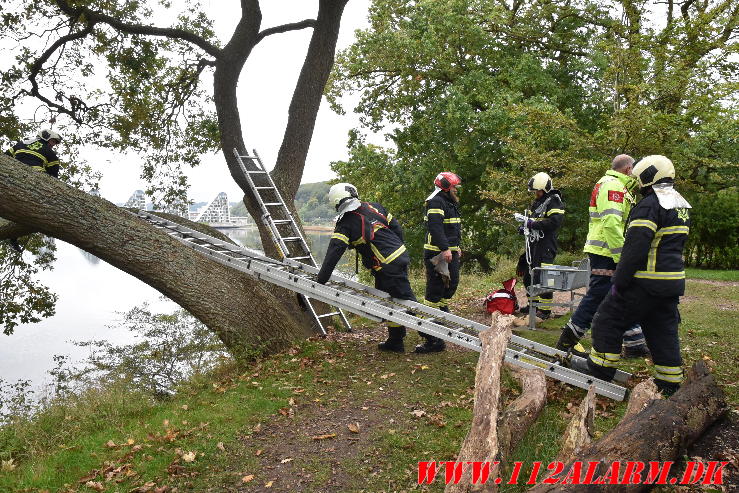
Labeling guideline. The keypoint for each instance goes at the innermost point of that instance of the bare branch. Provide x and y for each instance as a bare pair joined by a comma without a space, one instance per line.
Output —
94,17
294,26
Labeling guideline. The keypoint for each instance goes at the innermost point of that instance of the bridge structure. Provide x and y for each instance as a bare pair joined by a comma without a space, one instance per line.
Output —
216,214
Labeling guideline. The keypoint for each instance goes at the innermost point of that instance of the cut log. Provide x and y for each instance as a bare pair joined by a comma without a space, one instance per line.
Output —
662,431
581,428
481,443
644,393
524,411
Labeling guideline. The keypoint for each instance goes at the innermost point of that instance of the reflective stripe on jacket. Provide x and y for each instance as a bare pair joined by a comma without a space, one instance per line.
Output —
610,204
653,251
443,223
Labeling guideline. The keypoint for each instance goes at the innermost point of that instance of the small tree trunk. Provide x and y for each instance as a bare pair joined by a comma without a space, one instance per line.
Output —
481,443
660,432
524,411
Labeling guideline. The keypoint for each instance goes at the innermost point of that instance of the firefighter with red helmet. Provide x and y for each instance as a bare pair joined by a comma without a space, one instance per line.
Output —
441,252
648,281
378,238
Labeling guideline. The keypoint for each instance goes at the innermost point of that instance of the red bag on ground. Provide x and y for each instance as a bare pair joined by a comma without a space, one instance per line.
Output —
503,300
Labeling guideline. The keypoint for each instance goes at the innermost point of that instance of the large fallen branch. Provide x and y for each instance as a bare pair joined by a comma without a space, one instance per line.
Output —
481,443
524,411
580,430
662,431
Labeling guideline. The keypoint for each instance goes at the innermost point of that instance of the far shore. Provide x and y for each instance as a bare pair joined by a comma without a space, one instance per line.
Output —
317,227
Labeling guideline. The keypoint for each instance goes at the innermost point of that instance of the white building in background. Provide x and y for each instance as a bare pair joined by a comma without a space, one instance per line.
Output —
178,209
217,211
137,201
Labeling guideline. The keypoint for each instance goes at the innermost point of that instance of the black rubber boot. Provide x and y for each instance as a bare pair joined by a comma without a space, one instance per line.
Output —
641,351
430,345
567,340
544,314
666,388
394,341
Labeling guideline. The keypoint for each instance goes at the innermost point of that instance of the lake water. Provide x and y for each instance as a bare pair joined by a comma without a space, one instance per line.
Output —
92,294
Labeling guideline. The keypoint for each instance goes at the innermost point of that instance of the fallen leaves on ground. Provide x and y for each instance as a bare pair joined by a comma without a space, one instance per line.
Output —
7,465
247,478
321,437
353,427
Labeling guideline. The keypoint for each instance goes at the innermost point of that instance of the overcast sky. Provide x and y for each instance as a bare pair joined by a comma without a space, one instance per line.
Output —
265,91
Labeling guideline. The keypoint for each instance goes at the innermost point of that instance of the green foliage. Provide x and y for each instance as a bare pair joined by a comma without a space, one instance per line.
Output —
139,92
714,230
22,298
496,95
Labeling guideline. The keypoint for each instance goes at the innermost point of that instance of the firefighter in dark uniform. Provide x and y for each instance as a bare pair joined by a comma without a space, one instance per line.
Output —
444,231
378,238
543,220
38,153
648,281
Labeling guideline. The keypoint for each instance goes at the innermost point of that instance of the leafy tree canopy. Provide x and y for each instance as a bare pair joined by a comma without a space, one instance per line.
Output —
497,91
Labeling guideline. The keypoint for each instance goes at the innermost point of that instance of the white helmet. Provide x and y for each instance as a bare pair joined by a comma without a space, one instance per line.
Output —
341,191
651,169
540,181
46,135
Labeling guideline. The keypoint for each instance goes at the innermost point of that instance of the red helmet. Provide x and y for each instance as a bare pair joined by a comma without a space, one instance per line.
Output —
446,180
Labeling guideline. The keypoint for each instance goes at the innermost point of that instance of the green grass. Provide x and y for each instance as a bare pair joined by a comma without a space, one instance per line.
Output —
713,275
279,403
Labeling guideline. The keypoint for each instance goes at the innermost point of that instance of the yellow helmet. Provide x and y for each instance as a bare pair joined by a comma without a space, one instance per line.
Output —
540,181
651,169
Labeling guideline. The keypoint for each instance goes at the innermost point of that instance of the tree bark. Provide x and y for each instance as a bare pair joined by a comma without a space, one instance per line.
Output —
580,430
524,411
243,312
644,393
660,432
9,229
481,443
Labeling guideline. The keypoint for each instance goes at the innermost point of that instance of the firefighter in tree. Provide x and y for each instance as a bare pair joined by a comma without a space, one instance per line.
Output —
543,220
378,238
648,282
441,252
38,153
610,204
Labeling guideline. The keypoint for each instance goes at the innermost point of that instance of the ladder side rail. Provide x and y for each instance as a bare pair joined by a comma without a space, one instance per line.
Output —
286,211
266,215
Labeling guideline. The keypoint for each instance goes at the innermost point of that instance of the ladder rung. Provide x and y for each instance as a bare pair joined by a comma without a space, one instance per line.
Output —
292,238
281,221
265,188
257,171
247,157
273,203
326,315
298,258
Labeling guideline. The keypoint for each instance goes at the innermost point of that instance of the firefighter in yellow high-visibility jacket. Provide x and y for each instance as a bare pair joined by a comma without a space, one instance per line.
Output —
610,204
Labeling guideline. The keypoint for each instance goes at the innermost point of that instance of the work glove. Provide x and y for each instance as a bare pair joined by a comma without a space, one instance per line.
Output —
442,267
519,217
614,291
520,230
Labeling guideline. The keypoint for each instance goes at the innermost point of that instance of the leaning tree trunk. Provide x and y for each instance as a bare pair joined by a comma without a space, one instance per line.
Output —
244,313
662,431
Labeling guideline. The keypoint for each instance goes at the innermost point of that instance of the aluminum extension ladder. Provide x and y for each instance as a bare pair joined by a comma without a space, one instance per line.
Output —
377,305
286,234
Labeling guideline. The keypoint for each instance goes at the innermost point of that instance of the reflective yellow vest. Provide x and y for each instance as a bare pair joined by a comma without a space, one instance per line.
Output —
610,204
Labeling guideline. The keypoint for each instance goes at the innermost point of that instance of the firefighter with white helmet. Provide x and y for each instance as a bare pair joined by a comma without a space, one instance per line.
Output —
441,252
378,238
648,281
38,153
544,219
